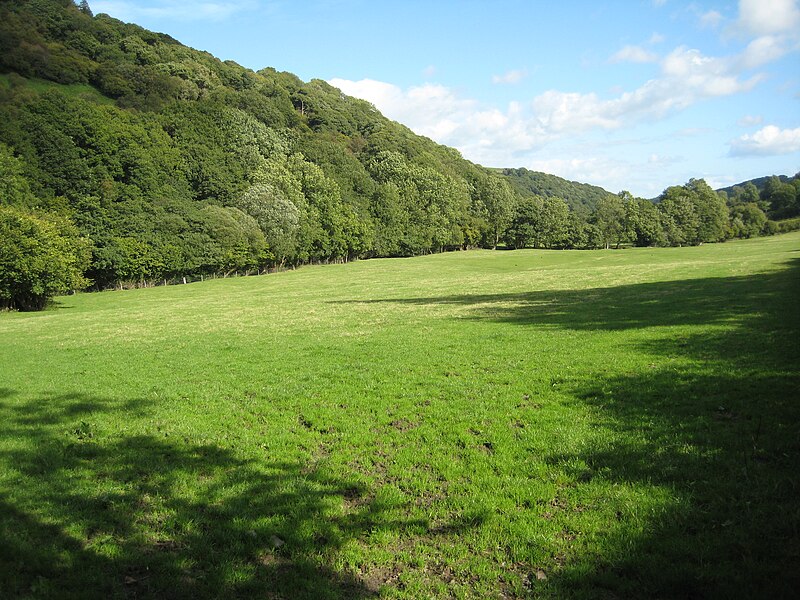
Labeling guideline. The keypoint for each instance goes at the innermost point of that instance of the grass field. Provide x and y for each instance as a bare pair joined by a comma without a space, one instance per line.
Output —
473,425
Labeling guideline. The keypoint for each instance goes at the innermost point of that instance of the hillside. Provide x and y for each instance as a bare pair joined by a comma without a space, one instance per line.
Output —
758,182
127,158
581,197
173,163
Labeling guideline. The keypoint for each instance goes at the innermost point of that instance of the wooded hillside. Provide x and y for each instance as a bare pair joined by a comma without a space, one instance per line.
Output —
132,159
173,162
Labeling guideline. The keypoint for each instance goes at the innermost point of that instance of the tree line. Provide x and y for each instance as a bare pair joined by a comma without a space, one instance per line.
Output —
689,214
127,158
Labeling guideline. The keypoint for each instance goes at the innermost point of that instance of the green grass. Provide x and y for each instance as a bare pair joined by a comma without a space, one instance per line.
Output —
619,423
41,86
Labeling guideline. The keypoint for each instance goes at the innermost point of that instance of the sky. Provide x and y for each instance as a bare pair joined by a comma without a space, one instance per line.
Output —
630,95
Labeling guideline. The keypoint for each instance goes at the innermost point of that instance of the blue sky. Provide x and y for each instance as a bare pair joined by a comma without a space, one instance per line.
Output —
633,94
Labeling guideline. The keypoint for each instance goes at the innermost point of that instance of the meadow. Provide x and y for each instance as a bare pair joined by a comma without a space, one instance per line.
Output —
469,425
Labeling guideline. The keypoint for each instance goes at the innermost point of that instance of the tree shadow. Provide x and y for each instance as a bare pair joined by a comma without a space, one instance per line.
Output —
723,446
90,514
712,426
684,302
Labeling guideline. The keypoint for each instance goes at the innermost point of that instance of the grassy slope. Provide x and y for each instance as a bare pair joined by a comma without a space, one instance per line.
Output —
623,423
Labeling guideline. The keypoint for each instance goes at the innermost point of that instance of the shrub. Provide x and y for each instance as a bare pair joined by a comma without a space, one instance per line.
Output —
41,255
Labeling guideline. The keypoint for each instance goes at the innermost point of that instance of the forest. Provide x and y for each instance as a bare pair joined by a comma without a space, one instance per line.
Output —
128,159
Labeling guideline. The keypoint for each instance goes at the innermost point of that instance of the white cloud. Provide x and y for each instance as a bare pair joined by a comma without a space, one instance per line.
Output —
711,19
773,27
492,135
635,54
763,50
565,112
656,38
750,121
763,17
716,182
769,141
687,77
516,134
485,134
181,10
429,71
659,3
511,77
662,160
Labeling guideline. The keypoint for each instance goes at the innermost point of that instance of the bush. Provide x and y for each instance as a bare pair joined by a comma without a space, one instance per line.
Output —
41,255
787,225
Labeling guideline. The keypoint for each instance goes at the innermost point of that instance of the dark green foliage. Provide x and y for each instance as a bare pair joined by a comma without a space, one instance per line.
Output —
41,252
609,218
757,183
547,223
523,230
693,214
782,197
747,220
581,197
643,222
177,164
777,195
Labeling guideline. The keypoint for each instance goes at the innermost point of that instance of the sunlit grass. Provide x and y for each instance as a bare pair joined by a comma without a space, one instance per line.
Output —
480,424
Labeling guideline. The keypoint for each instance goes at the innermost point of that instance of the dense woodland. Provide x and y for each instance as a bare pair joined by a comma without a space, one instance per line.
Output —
127,158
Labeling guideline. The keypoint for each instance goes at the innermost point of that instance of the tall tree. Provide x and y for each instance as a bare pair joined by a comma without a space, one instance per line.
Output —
525,227
609,217
83,6
496,198
553,223
711,209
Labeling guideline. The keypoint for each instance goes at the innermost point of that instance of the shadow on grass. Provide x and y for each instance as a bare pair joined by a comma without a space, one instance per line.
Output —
720,444
89,514
685,302
712,425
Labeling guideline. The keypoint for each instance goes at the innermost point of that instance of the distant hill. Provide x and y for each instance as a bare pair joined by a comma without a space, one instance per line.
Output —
581,197
759,182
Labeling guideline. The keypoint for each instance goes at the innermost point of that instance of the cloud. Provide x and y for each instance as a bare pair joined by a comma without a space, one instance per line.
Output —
750,121
662,160
716,182
656,38
659,3
429,71
769,141
510,77
521,132
687,77
492,135
180,10
773,29
485,134
761,17
711,19
635,54
763,50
